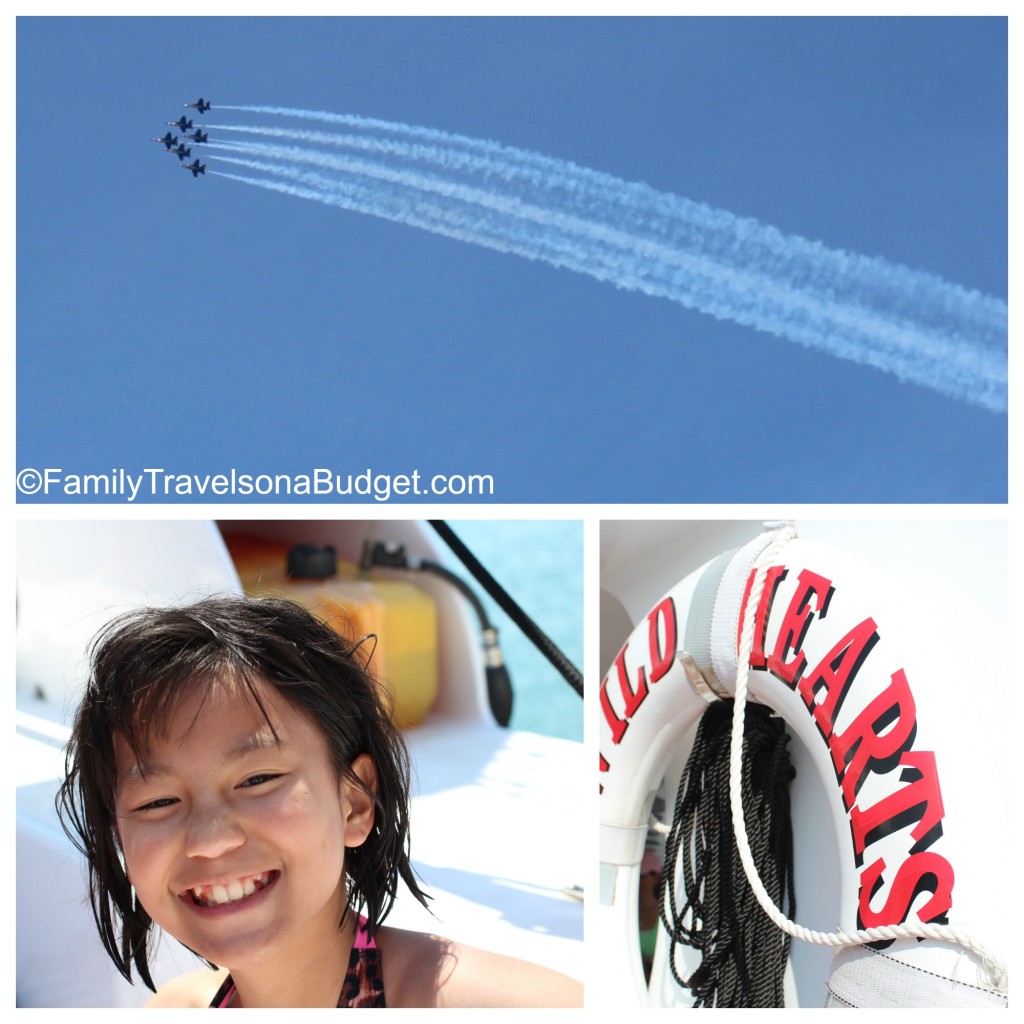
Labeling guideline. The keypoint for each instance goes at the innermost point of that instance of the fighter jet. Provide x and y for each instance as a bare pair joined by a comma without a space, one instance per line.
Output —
202,106
199,136
181,124
195,167
168,140
181,151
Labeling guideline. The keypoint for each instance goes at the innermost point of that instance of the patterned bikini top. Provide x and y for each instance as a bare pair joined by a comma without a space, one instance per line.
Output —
364,981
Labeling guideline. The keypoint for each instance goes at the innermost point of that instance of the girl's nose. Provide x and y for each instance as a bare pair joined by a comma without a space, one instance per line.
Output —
212,832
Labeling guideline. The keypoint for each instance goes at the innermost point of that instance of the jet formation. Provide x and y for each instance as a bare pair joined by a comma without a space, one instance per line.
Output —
175,144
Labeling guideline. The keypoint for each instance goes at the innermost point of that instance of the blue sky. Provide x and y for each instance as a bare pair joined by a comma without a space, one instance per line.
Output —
203,324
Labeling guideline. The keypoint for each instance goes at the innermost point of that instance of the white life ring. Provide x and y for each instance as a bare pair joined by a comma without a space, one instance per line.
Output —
879,717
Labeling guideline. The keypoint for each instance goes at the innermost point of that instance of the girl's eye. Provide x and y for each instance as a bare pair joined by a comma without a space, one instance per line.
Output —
156,805
258,780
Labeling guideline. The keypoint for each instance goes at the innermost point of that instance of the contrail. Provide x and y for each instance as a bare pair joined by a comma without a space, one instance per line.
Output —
449,215
904,321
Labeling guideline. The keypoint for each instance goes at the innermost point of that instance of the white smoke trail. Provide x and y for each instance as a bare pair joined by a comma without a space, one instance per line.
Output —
907,322
407,204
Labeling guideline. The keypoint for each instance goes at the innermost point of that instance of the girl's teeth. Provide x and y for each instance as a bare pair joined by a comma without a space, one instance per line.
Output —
235,890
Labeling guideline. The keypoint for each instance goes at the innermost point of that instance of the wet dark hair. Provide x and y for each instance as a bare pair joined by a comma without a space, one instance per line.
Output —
144,662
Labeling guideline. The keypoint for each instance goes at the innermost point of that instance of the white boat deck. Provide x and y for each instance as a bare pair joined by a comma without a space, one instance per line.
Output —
497,836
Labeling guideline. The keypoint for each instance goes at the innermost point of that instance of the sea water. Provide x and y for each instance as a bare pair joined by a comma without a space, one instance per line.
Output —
540,565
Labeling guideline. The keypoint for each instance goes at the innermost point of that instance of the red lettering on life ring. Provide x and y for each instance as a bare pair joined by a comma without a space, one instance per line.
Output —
661,622
878,740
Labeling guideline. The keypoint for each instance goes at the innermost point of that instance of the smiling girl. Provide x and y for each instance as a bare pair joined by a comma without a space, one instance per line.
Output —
234,776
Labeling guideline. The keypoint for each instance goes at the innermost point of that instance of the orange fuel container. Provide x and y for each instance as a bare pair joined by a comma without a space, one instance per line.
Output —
403,617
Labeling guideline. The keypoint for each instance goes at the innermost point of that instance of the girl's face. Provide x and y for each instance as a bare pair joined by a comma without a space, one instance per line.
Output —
234,841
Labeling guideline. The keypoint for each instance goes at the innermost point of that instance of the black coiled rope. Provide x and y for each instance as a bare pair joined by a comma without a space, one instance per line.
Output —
744,954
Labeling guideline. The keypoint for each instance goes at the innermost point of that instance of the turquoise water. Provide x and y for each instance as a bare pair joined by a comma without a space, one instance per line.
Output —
540,564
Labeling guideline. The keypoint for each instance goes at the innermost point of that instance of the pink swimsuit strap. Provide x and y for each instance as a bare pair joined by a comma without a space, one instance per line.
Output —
363,939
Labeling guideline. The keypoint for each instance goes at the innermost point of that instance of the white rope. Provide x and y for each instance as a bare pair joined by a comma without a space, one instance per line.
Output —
995,968
657,825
